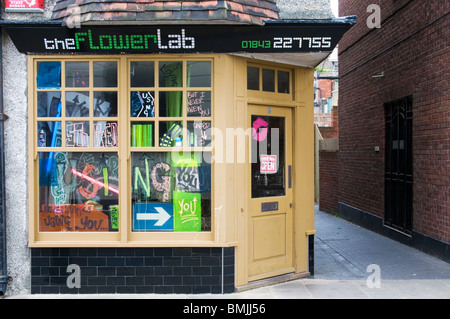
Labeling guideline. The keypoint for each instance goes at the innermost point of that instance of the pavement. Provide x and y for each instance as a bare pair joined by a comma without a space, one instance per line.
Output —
350,263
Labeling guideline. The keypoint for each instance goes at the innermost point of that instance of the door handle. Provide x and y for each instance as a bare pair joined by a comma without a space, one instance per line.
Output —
289,176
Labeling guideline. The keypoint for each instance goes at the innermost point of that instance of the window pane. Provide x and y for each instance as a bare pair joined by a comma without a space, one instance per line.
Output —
283,82
199,74
105,74
142,74
199,133
170,134
170,104
78,192
252,78
142,134
199,104
171,191
142,104
49,104
77,134
268,80
268,156
170,74
105,104
106,134
77,74
49,75
49,134
77,104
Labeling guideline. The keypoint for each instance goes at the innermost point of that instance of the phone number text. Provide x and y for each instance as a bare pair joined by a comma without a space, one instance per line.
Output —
289,43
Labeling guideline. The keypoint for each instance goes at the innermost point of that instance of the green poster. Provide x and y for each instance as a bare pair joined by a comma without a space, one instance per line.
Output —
186,211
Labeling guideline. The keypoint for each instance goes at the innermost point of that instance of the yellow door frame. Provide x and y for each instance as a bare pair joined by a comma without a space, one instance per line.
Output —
302,105
271,229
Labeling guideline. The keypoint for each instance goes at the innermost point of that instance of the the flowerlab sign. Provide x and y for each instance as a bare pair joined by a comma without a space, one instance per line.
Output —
284,37
24,5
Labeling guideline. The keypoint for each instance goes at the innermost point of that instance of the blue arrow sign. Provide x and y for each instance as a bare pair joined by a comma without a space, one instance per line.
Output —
152,216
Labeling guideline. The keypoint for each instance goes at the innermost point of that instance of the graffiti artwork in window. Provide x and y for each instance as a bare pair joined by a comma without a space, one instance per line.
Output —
78,192
171,191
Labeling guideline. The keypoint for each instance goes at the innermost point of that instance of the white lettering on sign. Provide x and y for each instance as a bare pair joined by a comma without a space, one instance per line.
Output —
302,42
268,164
24,5
55,44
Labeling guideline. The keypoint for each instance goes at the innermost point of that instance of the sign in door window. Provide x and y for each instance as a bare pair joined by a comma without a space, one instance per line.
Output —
268,156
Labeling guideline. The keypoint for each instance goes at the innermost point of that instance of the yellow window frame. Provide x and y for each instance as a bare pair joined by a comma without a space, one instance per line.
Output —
125,236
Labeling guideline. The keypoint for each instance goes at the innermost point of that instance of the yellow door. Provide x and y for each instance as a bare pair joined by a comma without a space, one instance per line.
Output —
270,211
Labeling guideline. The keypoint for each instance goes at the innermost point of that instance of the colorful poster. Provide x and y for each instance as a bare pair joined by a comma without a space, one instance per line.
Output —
186,211
152,216
76,217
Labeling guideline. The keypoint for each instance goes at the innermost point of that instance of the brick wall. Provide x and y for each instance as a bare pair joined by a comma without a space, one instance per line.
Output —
322,119
328,181
411,48
134,270
329,168
332,130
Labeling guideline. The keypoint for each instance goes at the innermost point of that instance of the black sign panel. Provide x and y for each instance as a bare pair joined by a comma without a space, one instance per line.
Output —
270,38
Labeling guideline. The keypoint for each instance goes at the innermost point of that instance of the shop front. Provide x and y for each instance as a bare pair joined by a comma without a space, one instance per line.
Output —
171,159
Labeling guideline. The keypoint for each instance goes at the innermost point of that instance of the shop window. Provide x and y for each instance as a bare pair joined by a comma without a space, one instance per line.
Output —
268,156
142,74
105,74
199,74
77,74
82,108
170,187
268,80
252,78
78,192
171,191
283,82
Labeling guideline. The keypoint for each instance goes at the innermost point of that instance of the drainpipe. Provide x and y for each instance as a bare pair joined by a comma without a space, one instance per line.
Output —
3,117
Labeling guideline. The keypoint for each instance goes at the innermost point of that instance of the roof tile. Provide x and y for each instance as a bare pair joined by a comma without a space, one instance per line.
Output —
127,11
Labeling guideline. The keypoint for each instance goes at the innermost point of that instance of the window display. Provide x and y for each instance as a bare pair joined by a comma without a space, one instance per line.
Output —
78,192
170,191
80,116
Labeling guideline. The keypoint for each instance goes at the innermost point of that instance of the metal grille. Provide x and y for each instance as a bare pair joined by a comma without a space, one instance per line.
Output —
398,164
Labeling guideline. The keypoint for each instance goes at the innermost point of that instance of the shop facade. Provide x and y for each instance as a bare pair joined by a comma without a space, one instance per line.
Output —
162,158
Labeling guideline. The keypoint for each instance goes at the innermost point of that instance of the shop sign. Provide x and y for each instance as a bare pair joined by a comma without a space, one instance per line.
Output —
268,164
24,5
269,38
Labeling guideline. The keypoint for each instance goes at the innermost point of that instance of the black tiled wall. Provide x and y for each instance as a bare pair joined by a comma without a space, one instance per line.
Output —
134,270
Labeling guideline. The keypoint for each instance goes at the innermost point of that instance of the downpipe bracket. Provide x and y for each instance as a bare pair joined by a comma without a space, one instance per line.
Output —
3,117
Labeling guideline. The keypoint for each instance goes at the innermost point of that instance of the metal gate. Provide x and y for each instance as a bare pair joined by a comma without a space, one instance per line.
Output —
398,165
